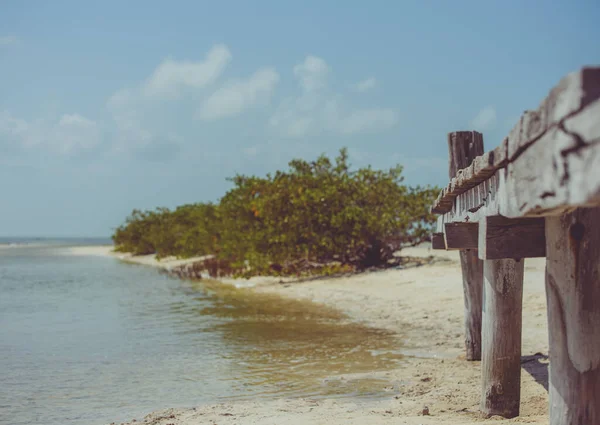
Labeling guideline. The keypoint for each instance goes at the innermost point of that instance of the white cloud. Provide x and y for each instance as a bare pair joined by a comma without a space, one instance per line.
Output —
485,119
312,73
69,134
125,106
120,99
12,127
296,117
234,97
316,109
365,85
8,40
137,132
140,116
171,76
74,132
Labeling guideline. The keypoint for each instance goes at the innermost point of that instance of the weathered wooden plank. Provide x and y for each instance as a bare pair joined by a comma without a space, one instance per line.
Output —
437,241
548,165
459,143
472,275
484,167
463,147
560,171
480,169
546,156
573,93
573,295
501,237
436,207
476,203
501,335
461,235
501,155
444,200
582,158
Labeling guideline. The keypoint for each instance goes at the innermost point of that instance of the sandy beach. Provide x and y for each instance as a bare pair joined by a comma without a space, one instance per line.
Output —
425,306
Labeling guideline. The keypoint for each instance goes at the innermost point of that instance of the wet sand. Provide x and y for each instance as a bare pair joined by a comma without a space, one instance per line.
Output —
425,306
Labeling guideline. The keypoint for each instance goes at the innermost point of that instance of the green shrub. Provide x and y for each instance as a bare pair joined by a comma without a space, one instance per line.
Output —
310,216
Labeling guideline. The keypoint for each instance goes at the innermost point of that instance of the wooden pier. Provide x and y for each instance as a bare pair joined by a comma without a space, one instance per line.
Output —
537,194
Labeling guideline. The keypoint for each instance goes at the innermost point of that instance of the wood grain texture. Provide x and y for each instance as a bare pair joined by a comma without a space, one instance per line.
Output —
472,275
560,170
501,335
463,147
475,204
570,96
437,241
461,236
573,295
501,237
551,158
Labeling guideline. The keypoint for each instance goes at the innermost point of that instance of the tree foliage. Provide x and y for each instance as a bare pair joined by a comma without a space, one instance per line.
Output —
318,212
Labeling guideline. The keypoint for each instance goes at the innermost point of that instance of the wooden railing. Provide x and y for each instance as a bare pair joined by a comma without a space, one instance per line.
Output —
535,195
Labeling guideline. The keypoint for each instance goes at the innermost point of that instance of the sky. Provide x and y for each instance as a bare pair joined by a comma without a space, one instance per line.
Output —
110,106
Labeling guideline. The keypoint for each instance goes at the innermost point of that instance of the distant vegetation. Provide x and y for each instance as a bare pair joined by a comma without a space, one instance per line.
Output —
316,217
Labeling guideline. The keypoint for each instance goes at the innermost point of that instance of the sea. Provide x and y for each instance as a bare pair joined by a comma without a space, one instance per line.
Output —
93,340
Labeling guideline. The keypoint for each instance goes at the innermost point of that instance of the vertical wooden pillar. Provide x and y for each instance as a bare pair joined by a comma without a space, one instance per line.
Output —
472,275
573,296
463,147
502,320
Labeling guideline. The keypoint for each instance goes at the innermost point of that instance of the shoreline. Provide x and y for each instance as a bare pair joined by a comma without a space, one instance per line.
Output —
424,305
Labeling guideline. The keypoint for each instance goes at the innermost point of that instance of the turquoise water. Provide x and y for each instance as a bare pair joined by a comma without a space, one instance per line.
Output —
91,340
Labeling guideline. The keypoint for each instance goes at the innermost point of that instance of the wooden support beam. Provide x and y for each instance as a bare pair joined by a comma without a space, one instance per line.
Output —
573,295
463,147
461,235
501,237
437,241
501,334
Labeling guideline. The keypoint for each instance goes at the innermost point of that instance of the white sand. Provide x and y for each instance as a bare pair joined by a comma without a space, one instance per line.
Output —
148,260
425,305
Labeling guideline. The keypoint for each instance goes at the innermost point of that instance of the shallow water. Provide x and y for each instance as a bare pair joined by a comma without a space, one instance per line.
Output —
90,340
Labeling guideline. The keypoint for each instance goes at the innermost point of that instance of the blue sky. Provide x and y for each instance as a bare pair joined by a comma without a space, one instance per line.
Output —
109,106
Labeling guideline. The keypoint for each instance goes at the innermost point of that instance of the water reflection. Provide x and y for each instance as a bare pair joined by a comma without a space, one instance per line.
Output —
283,346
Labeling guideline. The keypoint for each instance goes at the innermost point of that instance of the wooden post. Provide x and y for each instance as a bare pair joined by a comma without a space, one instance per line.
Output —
472,275
573,296
463,147
502,319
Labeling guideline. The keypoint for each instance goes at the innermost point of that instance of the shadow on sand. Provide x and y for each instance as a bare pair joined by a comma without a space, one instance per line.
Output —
537,366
